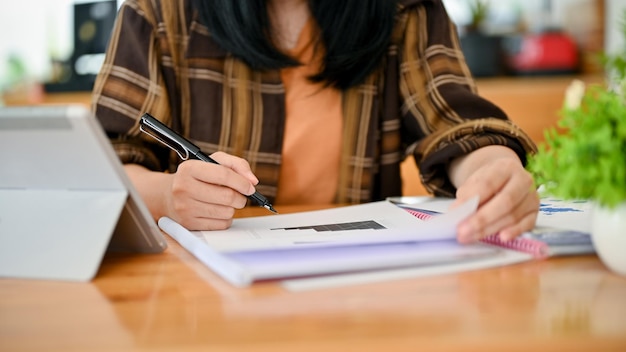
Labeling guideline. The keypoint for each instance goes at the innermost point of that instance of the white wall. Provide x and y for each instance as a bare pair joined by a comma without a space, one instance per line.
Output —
615,10
34,31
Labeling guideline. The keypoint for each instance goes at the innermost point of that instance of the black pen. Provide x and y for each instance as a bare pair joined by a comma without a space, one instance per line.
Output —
186,150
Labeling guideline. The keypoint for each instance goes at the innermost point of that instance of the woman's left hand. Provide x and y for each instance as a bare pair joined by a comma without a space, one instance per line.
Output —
508,199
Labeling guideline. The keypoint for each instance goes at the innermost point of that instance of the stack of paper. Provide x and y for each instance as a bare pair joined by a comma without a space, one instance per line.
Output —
352,239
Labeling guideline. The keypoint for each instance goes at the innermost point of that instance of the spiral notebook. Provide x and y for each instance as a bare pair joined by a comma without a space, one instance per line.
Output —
542,241
562,229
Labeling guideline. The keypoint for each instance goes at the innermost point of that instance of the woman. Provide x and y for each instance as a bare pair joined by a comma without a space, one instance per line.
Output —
318,100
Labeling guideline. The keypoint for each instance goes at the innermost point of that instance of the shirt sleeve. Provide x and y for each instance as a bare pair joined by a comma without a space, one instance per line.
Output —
130,84
443,115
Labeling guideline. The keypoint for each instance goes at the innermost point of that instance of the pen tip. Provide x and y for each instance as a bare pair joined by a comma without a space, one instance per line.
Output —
270,208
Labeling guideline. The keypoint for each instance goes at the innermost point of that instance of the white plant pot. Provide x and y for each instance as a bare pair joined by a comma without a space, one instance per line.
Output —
608,232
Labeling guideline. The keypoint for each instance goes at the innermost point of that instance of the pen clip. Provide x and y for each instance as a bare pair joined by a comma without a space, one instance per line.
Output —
162,134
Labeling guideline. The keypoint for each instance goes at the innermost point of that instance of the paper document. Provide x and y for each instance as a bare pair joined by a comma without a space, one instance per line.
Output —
565,214
503,257
376,222
369,236
562,227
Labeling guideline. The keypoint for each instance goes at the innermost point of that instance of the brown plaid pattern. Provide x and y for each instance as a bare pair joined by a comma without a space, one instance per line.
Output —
421,100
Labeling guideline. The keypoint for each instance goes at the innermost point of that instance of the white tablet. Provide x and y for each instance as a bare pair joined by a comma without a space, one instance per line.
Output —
64,196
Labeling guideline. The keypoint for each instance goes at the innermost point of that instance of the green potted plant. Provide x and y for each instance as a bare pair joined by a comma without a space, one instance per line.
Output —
586,158
481,49
479,9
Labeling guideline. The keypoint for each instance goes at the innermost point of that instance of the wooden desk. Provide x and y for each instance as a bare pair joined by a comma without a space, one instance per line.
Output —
171,302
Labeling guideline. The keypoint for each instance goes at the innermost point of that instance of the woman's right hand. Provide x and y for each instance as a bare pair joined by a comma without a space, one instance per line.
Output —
200,195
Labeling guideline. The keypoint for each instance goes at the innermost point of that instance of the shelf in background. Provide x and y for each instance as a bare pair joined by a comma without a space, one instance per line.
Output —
532,102
34,95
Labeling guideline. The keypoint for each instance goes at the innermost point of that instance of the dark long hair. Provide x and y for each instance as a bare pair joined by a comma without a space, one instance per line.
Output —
354,34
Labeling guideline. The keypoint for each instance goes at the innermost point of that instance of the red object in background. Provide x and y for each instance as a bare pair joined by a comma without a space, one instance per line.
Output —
548,52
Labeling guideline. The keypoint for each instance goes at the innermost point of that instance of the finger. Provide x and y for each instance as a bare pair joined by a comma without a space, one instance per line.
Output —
214,174
239,165
526,224
502,208
484,188
517,189
205,224
191,208
508,226
218,195
196,215
484,183
186,185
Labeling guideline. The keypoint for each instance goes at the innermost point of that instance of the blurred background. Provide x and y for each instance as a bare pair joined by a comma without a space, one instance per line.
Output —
55,42
58,41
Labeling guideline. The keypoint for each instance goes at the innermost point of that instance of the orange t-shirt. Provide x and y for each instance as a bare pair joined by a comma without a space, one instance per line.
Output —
311,153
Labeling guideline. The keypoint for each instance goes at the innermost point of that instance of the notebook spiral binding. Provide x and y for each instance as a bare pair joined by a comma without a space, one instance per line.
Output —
537,249
419,214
